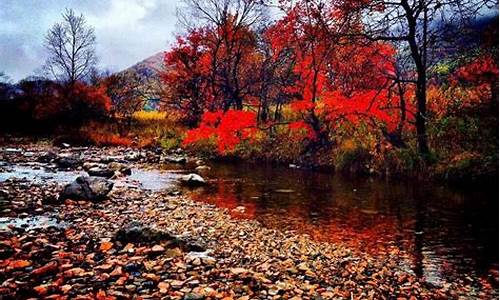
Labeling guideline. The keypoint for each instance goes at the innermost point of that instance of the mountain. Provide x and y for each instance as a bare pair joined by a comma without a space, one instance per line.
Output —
148,67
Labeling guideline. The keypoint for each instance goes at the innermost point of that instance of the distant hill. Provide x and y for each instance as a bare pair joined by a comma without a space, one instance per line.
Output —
148,67
145,80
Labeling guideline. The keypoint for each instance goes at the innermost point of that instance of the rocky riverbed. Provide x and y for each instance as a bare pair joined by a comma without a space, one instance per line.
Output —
156,243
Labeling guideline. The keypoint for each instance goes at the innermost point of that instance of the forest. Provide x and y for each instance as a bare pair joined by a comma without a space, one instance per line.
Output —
360,136
411,91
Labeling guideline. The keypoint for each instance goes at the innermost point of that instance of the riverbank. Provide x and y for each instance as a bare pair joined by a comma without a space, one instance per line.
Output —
473,167
140,243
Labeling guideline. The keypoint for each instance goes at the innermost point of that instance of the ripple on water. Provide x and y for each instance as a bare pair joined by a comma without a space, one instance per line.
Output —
154,180
39,174
28,223
149,179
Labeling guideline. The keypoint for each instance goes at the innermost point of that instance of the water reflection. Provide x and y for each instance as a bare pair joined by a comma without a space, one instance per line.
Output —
437,232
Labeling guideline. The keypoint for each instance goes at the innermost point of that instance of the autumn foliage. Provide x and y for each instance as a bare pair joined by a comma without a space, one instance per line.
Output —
227,128
305,84
316,75
228,78
51,102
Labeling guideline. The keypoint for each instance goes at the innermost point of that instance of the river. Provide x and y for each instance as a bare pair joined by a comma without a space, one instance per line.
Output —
439,233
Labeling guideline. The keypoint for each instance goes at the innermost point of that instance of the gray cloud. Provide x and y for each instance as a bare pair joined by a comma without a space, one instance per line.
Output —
127,30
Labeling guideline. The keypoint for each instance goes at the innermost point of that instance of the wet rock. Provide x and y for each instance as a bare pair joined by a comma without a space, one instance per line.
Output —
13,150
187,244
178,151
238,271
69,162
87,188
133,156
47,157
28,154
106,170
174,192
101,172
111,158
120,167
203,170
194,296
176,284
132,267
137,233
192,180
157,249
174,159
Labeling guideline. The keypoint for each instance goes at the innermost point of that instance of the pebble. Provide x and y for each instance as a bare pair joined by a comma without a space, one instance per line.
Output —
236,259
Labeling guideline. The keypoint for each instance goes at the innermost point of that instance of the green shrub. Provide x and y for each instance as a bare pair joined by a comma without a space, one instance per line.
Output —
352,158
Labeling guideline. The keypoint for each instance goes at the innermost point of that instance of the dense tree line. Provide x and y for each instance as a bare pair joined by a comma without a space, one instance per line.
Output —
333,63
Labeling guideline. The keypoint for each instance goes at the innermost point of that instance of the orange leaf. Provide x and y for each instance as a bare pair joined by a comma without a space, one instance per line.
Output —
41,289
105,246
19,264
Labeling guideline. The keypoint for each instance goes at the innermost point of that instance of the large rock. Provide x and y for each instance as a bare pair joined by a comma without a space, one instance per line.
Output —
47,157
135,232
69,162
87,188
138,233
193,180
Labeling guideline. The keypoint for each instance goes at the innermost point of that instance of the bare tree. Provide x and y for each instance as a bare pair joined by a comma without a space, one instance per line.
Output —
71,46
217,13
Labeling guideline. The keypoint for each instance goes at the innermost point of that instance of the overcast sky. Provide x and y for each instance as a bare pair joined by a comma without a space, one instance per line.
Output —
127,30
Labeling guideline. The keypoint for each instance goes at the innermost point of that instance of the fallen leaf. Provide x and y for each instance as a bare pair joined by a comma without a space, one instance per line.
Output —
50,267
19,264
41,289
117,271
163,287
105,246
66,288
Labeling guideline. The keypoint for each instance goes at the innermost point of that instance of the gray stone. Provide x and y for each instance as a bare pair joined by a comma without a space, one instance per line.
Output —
137,233
174,159
69,162
87,188
193,180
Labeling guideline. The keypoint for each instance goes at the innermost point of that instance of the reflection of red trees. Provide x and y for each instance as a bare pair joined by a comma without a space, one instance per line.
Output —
224,197
353,227
398,236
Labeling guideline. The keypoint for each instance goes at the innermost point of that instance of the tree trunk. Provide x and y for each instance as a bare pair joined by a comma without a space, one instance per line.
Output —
419,56
421,117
